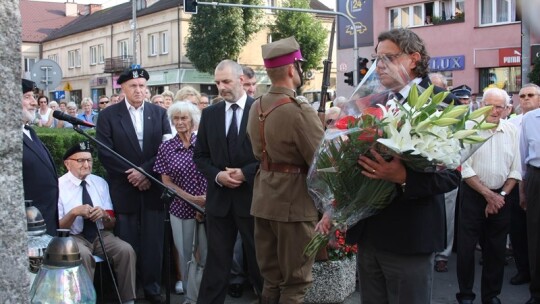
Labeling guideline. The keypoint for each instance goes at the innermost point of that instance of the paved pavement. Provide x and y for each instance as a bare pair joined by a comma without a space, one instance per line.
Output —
444,288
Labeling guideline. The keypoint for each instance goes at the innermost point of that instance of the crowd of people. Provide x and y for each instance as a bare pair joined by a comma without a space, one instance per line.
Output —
243,158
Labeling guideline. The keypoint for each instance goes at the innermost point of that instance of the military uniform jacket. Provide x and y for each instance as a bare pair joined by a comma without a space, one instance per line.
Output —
293,133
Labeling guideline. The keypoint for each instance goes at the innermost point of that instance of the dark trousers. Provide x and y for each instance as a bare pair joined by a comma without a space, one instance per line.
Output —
144,231
387,277
221,234
533,228
492,231
518,232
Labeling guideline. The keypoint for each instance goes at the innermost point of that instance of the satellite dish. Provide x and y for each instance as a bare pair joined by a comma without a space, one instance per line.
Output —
46,74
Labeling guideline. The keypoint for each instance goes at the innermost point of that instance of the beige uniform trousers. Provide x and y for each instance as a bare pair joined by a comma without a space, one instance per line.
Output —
285,269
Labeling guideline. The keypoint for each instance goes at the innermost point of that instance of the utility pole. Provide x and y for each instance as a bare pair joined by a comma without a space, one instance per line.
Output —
134,29
302,10
525,44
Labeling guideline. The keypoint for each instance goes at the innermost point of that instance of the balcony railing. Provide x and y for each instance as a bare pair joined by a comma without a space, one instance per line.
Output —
117,64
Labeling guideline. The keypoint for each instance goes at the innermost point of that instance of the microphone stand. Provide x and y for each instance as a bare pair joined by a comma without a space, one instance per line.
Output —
167,196
108,263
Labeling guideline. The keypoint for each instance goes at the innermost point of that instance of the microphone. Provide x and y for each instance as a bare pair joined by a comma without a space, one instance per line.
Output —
73,120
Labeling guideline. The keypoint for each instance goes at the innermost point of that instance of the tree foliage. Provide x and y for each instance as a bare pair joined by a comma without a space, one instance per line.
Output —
534,75
308,31
218,33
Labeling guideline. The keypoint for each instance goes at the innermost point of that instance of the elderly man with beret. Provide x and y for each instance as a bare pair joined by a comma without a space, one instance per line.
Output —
84,206
285,133
135,129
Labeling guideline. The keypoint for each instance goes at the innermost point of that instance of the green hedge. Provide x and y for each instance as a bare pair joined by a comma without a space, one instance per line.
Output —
59,140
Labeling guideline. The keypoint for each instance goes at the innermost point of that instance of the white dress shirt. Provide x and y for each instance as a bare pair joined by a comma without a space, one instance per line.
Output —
137,118
497,159
70,196
239,112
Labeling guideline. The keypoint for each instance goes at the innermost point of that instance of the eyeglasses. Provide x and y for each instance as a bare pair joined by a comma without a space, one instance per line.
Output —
81,161
104,102
530,95
390,57
497,108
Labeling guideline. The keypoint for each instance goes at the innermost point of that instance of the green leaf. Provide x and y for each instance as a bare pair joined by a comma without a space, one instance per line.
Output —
443,122
480,112
412,99
455,111
424,97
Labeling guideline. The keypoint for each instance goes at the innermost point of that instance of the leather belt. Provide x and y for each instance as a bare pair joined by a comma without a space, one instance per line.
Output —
284,168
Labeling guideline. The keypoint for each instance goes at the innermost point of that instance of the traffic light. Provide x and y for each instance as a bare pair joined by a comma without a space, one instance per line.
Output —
349,79
190,6
362,68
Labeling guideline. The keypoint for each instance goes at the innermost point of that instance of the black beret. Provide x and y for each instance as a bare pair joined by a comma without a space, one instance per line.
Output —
132,74
80,147
28,85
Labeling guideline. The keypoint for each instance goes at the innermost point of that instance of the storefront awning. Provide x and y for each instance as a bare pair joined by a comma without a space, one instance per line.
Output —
191,76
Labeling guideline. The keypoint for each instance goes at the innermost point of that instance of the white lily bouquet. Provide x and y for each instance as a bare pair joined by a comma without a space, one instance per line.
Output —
424,134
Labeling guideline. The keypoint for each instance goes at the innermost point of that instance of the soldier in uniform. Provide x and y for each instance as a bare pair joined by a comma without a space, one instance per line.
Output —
285,133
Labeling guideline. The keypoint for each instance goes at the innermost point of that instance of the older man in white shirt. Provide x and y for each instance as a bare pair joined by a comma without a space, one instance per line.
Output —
84,205
488,176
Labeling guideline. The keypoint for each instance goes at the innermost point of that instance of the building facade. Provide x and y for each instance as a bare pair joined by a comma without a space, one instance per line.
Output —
477,43
99,44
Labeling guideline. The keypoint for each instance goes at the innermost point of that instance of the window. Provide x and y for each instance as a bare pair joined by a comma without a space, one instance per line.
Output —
29,64
506,78
140,4
123,48
53,57
152,45
434,12
101,53
74,58
93,55
497,11
407,16
164,43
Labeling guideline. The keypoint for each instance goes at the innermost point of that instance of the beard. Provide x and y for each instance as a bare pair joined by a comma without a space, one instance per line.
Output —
28,116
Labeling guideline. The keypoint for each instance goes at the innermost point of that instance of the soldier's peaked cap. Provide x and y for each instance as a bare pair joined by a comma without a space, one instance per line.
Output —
281,52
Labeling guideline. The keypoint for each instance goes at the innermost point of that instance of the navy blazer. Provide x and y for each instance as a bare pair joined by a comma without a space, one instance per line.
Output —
211,156
415,221
115,129
40,181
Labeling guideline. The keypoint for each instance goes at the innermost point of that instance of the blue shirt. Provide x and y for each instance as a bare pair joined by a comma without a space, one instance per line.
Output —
530,140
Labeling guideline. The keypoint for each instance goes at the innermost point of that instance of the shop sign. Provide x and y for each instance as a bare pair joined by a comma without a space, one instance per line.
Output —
510,57
447,63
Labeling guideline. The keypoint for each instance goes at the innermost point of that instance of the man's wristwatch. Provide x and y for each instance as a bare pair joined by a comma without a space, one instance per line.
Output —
503,193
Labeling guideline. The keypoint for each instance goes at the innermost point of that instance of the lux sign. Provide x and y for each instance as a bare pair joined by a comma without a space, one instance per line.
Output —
449,63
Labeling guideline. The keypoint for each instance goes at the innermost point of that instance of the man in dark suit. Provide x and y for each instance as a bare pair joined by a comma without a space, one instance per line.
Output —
135,129
40,179
224,155
399,243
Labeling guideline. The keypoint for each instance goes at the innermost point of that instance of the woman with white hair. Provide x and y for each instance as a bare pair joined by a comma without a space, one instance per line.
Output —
88,113
174,162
